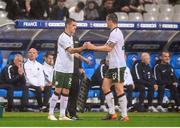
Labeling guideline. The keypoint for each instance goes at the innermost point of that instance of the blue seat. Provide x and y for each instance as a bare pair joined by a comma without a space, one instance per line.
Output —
31,94
131,58
155,94
17,94
135,94
175,62
154,57
3,92
93,93
40,57
1,61
167,93
177,72
90,94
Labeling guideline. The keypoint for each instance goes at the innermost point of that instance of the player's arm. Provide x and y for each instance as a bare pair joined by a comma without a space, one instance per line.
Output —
74,50
105,48
80,57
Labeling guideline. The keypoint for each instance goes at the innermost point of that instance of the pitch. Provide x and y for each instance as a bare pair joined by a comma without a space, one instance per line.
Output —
90,119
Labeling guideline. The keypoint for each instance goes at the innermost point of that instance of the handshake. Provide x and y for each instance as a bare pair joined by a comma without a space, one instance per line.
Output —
88,45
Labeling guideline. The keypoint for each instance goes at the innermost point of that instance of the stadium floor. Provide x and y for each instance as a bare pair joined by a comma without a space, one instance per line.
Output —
90,119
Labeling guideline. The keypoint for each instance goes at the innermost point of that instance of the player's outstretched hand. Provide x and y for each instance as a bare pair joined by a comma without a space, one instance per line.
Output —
89,45
85,45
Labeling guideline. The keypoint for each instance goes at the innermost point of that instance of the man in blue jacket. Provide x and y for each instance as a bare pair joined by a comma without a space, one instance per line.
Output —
143,77
12,78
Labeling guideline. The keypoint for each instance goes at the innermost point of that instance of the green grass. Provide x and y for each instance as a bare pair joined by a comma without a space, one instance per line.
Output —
90,119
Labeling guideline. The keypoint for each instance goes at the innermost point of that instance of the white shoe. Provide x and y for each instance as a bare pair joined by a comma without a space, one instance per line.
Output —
103,108
152,109
64,118
52,117
160,108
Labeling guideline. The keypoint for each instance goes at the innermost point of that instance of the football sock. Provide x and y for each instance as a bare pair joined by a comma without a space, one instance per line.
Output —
123,104
110,102
53,100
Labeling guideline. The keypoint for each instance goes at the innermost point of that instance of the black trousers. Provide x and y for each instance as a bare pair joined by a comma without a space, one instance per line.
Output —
102,97
15,87
129,91
173,91
141,89
42,101
73,94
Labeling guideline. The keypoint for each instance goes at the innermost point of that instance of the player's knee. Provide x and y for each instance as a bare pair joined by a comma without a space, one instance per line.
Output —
119,91
105,89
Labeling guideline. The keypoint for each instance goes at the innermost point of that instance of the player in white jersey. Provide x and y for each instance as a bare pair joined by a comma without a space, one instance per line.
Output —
64,68
117,65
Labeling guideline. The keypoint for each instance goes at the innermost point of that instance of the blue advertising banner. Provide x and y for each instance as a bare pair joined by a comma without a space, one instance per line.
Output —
50,24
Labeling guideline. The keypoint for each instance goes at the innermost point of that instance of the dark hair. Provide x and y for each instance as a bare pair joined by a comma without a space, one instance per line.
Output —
69,20
103,61
80,5
49,53
164,52
113,17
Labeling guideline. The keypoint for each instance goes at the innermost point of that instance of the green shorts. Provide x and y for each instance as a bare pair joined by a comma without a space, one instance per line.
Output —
62,80
116,74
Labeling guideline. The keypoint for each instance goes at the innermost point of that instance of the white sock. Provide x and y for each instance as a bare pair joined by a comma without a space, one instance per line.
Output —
123,105
110,102
53,100
63,105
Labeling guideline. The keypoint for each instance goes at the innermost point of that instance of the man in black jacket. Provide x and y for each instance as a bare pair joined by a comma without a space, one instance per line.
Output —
166,78
105,9
73,94
143,77
12,78
37,9
59,11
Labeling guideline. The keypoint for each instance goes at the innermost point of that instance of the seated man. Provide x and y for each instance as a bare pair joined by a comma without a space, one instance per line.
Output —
143,77
12,78
35,79
48,74
97,80
166,78
129,84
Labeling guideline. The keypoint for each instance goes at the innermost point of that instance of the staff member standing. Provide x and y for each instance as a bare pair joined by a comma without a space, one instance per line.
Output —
73,94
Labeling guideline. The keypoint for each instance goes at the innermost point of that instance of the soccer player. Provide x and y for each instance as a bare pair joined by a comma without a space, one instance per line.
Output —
63,69
117,65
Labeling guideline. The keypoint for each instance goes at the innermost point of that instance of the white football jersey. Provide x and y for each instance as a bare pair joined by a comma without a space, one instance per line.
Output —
117,55
64,61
